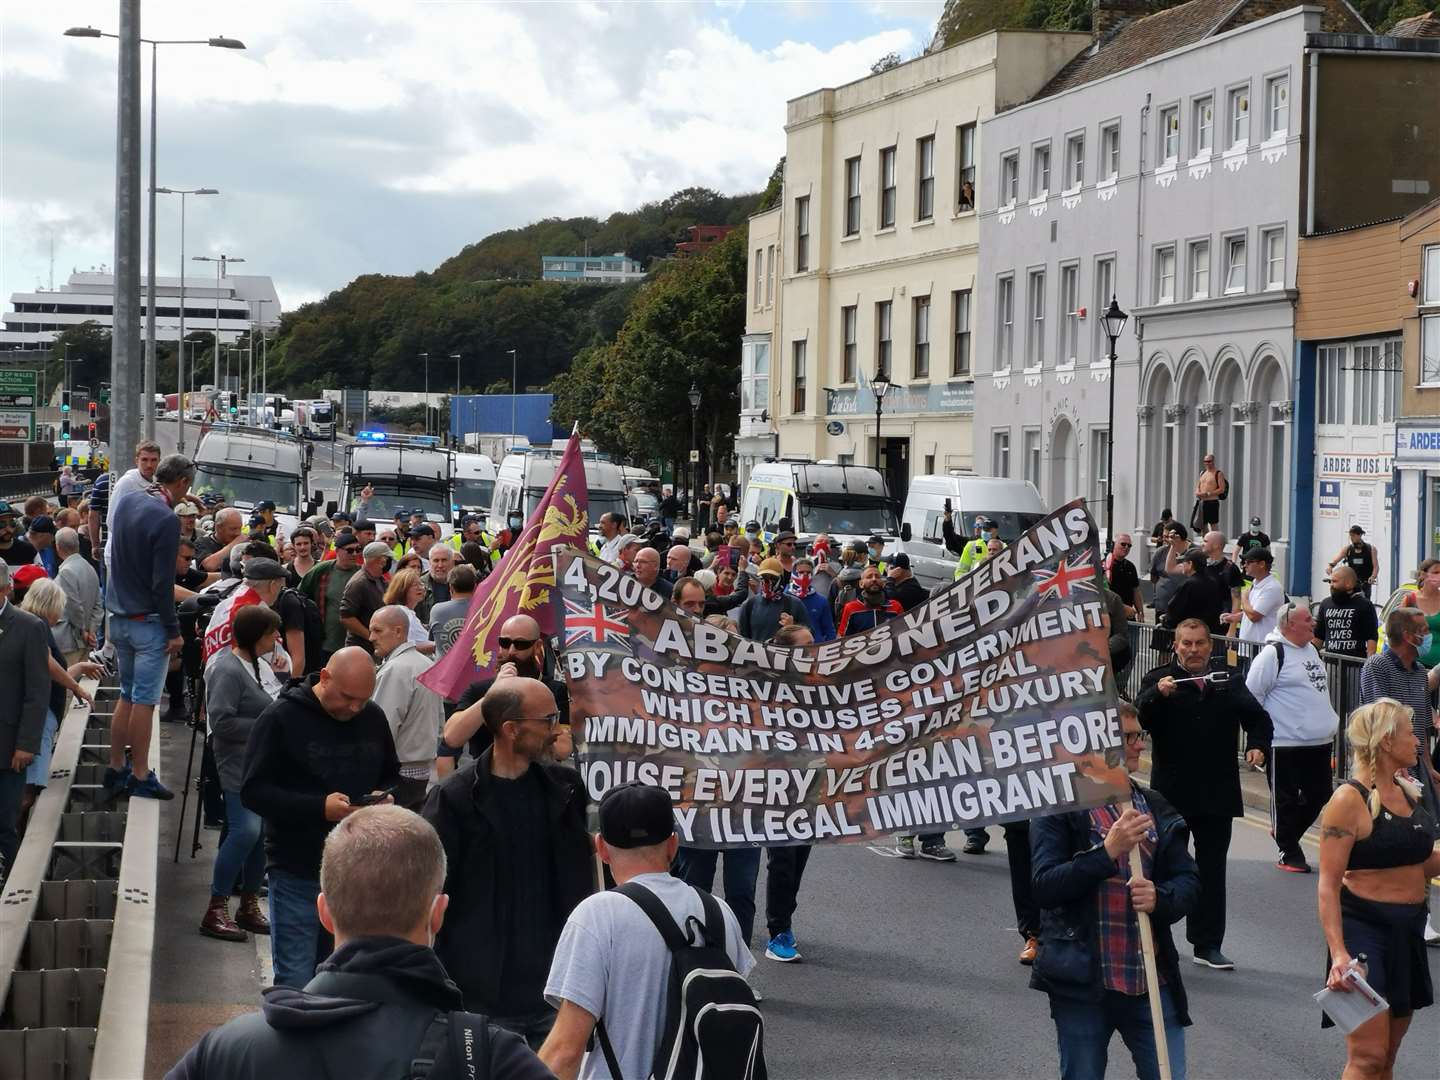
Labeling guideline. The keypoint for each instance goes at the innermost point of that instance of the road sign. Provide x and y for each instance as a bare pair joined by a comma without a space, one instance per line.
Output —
694,457
17,389
95,445
17,425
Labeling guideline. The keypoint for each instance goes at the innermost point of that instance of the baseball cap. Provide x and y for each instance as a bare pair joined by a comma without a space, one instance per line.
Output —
422,530
43,524
773,567
377,550
1254,523
681,532
1357,530
636,815
877,539
263,569
344,538
628,540
186,509
341,515
901,560
752,526
363,524
27,575
265,504
6,510
1258,554
256,519
1194,555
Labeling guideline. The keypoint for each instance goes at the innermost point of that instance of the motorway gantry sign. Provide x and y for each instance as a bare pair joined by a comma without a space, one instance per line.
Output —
17,389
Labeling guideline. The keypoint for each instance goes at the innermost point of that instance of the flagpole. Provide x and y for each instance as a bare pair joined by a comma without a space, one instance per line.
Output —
1147,955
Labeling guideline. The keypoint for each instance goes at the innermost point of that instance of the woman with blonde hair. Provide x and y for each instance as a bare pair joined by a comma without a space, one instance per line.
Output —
406,590
1377,851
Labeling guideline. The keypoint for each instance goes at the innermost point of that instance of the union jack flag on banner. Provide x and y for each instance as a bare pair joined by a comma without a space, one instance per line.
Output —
523,582
1078,573
595,624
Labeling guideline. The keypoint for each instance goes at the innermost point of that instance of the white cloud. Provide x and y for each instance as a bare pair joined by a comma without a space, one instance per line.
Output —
377,136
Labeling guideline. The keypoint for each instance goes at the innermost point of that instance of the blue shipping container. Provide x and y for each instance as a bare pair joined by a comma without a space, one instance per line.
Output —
491,414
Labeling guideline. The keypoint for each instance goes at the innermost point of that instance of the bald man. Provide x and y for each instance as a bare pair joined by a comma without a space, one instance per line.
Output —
319,752
520,651
647,569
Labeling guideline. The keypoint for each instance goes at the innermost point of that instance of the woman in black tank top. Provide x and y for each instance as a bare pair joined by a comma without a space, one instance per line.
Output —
1377,850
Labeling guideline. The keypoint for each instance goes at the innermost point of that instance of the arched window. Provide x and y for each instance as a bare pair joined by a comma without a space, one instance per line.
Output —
1158,446
1064,464
1272,435
1228,443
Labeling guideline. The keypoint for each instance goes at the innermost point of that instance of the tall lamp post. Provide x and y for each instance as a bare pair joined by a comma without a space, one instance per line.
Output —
214,43
879,386
426,357
1114,320
694,396
514,381
221,262
455,403
180,356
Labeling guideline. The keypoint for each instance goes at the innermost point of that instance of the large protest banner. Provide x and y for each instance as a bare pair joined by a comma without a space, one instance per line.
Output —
991,702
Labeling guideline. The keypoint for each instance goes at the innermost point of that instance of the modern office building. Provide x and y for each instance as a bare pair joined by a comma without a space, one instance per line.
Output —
614,269
1174,165
242,300
870,263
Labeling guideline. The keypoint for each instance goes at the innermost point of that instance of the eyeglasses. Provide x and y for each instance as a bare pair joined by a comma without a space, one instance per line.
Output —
515,642
1137,738
1123,543
551,721
351,550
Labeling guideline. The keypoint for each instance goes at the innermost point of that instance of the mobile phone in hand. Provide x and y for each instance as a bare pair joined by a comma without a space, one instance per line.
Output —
374,797
947,506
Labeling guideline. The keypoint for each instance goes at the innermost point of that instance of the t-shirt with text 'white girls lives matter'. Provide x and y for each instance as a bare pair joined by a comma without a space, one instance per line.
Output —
1345,625
612,962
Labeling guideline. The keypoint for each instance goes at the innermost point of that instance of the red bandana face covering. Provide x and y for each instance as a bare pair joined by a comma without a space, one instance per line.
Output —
800,584
770,586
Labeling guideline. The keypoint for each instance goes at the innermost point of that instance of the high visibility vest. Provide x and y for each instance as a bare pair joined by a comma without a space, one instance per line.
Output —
975,553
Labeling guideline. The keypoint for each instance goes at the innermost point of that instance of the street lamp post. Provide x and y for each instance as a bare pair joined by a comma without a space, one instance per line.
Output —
180,356
880,386
514,380
694,396
148,403
221,262
455,404
426,357
1114,320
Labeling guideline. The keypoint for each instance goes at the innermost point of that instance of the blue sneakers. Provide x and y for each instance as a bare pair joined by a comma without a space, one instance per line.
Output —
149,788
117,781
782,948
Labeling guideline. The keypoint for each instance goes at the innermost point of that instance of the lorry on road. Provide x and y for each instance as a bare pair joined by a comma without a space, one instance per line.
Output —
404,472
473,488
315,419
250,465
846,502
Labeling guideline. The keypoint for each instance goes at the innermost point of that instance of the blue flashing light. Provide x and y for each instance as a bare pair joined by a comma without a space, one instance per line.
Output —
371,436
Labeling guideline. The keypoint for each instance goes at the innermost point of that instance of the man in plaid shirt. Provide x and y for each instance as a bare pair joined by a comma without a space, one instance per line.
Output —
1089,960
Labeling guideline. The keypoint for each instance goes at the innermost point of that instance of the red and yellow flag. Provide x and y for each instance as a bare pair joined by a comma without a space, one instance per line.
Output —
524,581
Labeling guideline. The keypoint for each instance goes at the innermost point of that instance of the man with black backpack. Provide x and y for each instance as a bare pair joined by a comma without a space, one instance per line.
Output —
654,968
382,1006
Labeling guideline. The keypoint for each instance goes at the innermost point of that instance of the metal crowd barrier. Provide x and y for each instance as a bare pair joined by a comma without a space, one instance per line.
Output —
21,485
77,918
1151,649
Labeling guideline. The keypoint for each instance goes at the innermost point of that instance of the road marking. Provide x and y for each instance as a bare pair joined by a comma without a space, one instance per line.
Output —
263,960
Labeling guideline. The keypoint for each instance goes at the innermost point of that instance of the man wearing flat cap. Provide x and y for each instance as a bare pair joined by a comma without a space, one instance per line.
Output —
365,594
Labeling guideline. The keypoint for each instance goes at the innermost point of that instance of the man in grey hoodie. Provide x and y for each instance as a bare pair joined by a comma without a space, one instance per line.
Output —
1287,677
415,712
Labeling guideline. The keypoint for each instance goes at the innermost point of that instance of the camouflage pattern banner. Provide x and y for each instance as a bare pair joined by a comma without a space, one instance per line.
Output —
991,702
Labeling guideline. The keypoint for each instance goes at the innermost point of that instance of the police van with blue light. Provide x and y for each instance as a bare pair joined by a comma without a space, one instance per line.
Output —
387,473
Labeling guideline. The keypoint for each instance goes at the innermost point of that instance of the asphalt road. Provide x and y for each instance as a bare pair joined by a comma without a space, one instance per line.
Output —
910,971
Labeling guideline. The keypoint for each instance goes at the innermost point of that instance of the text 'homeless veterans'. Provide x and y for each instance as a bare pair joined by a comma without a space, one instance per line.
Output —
992,701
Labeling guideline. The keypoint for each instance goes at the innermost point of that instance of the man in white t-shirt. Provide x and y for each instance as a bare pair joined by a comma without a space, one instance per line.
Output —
611,963
1261,602
147,460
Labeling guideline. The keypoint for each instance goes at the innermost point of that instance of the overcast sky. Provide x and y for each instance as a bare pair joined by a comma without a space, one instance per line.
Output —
383,136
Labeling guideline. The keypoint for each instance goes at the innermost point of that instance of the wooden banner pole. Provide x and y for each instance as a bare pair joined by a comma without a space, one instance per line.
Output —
1152,977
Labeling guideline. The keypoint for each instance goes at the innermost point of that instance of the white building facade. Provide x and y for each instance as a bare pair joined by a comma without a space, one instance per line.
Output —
874,258
1174,185
241,302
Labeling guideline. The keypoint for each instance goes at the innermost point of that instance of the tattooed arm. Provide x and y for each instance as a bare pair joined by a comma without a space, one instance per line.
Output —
1339,822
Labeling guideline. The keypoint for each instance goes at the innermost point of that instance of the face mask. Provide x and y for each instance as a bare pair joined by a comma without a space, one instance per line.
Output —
514,523
1426,642
770,586
801,583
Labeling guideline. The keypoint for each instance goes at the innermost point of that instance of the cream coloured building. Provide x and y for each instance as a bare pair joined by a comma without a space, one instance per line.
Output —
870,262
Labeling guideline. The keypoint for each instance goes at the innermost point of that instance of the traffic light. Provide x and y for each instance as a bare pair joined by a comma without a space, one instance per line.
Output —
234,404
94,411
94,431
64,403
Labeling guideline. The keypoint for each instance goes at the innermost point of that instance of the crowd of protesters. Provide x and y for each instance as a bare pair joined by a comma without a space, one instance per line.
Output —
426,868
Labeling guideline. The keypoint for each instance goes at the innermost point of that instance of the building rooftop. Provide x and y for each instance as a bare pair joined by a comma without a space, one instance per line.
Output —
1425,25
1138,41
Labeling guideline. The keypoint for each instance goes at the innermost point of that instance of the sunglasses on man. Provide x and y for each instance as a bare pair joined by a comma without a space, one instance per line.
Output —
515,642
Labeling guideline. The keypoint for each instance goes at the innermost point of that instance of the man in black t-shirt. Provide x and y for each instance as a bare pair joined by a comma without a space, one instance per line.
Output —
14,549
1124,579
1346,622
1222,569
187,576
